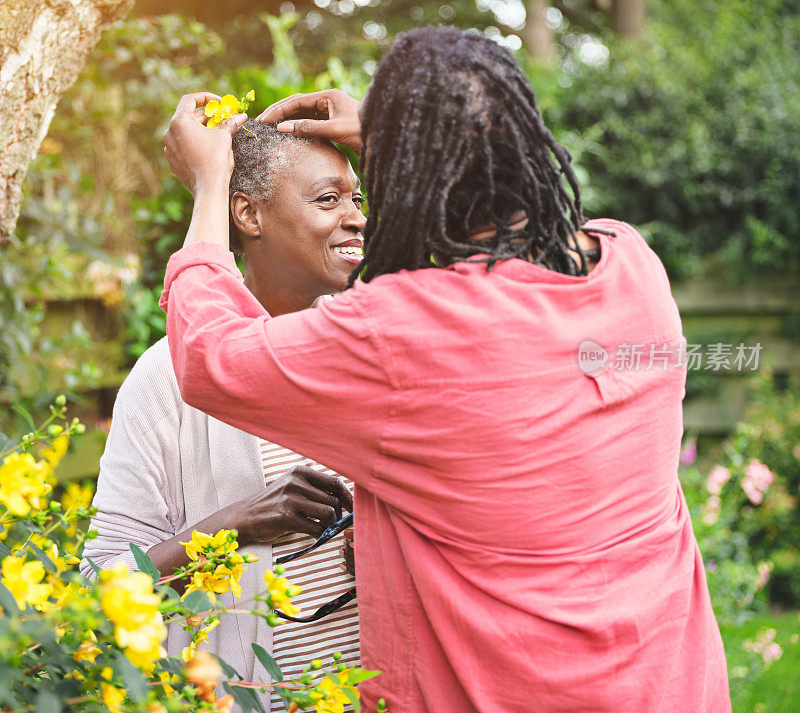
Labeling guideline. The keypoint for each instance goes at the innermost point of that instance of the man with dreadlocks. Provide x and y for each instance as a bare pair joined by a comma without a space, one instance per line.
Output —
522,542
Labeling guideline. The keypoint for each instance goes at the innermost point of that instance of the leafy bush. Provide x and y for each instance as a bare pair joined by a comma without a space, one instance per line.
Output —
746,505
694,134
70,643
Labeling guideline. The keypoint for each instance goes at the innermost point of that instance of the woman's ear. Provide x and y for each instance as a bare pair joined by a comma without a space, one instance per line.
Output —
245,214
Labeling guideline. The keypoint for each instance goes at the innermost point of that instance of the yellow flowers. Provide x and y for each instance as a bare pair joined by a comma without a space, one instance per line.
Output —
200,637
24,581
23,483
55,452
329,697
218,111
112,697
208,546
129,601
280,593
219,567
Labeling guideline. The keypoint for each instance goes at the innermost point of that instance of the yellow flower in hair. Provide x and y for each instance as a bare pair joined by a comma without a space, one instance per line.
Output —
225,108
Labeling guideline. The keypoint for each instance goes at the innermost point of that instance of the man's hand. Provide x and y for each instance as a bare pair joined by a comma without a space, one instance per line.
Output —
348,552
331,114
301,500
200,157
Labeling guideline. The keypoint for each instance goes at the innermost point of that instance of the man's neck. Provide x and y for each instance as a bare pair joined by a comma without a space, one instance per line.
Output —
282,300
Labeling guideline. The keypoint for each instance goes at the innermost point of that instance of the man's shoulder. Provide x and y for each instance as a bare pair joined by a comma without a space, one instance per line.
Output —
151,382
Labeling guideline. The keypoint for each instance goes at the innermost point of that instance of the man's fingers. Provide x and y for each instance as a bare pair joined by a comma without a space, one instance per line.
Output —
295,106
331,484
325,514
327,128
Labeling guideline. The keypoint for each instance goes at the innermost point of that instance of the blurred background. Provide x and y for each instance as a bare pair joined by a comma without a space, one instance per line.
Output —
682,118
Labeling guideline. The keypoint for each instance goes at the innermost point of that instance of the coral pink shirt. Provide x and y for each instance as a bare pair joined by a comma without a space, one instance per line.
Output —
522,540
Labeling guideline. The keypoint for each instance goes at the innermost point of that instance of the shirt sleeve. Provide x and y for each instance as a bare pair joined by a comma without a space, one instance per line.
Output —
135,486
315,381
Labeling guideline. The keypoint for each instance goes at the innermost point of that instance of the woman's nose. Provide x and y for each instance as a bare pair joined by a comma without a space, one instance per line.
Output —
354,218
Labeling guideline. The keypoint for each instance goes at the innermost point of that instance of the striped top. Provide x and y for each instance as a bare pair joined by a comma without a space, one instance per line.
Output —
318,573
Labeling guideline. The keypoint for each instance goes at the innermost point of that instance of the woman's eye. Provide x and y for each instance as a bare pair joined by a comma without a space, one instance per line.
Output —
329,198
358,200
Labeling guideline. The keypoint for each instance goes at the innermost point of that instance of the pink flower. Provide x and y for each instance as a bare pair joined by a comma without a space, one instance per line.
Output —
689,453
764,570
718,476
762,475
756,481
772,653
711,510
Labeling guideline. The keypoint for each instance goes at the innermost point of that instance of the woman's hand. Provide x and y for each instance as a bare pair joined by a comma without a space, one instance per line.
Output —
301,500
331,114
200,157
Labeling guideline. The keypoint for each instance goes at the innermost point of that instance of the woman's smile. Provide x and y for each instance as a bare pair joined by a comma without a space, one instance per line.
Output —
350,250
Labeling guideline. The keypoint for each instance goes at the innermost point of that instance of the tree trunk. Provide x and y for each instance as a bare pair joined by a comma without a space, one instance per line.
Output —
538,36
43,46
629,18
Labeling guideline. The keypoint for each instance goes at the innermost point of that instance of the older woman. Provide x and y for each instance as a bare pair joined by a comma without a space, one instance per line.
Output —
169,468
522,542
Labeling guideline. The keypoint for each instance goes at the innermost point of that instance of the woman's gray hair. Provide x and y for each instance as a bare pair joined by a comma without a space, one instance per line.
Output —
259,156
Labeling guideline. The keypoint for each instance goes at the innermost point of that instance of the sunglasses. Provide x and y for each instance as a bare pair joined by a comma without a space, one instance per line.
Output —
342,599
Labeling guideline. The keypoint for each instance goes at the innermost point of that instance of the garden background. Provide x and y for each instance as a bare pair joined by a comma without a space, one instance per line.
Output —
682,119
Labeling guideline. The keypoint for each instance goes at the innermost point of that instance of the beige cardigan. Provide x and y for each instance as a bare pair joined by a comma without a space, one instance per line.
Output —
166,466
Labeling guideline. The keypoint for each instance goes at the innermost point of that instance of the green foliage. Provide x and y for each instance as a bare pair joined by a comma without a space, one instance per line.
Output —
749,520
79,644
771,435
697,134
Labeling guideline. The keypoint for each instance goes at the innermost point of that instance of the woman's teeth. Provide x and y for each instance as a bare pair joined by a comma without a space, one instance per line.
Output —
355,252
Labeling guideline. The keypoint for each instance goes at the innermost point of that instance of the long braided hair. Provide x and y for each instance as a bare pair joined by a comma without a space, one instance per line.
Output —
453,140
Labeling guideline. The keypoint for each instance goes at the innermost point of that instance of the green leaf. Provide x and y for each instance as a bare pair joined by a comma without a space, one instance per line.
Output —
32,527
355,676
42,557
144,563
245,698
5,443
197,602
22,411
4,551
7,600
353,698
47,702
94,567
134,683
268,663
173,665
227,669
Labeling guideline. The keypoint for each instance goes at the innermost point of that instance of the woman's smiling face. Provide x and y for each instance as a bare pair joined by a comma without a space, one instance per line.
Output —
311,226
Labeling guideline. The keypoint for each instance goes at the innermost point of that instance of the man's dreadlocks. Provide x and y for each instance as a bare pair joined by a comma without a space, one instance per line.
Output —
452,140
